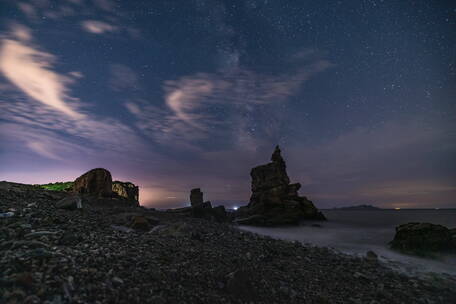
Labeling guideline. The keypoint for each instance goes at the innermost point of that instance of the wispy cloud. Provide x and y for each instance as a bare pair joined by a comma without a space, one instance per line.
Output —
54,121
122,77
30,70
196,104
97,27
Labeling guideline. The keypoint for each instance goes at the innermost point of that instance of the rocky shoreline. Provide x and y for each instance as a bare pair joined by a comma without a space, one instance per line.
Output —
130,254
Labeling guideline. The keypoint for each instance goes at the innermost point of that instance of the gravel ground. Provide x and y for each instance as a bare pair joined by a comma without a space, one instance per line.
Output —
49,255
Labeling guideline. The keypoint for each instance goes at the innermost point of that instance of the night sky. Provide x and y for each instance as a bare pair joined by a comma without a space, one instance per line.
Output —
173,95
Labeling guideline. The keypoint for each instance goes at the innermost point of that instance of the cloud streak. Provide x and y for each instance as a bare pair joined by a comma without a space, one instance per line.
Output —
54,122
195,105
30,70
98,27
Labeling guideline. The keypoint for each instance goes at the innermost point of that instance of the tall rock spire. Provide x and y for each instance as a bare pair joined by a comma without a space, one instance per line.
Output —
276,156
274,201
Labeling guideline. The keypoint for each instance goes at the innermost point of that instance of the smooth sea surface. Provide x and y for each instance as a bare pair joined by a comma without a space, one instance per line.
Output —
357,231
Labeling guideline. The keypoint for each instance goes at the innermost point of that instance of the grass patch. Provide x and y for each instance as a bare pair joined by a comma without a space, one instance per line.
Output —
59,186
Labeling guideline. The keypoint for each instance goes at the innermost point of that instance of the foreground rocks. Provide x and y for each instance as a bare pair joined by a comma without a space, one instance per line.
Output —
126,254
424,238
274,200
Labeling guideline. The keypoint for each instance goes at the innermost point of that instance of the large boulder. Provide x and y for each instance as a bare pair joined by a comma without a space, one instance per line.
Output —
126,190
423,238
97,182
274,201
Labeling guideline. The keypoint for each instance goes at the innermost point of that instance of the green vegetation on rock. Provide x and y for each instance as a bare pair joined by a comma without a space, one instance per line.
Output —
59,186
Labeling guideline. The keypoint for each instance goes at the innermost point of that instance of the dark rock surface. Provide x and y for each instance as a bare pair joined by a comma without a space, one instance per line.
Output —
423,238
127,190
96,182
71,203
51,255
274,201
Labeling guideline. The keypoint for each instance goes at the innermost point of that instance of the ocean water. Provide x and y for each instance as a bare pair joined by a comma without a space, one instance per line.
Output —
356,232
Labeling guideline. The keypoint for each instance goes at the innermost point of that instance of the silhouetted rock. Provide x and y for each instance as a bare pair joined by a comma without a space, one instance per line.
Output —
422,238
201,209
196,197
274,200
126,190
96,182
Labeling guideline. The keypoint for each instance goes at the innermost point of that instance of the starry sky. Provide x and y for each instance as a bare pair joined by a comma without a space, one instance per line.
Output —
173,95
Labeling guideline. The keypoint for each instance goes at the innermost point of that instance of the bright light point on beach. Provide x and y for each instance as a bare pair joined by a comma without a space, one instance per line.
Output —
397,208
235,208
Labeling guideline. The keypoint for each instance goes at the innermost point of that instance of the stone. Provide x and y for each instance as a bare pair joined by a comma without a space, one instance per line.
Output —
126,190
140,223
422,238
219,213
196,197
97,182
274,201
371,256
70,203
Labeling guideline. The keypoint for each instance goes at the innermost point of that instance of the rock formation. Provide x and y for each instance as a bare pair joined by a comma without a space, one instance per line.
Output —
97,182
274,201
196,197
126,190
201,209
423,238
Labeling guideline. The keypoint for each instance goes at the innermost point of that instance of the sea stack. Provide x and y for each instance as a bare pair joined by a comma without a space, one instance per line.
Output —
196,197
274,201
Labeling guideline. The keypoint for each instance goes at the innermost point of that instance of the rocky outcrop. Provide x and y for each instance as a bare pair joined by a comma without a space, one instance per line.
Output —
126,190
196,197
97,182
423,238
274,201
201,209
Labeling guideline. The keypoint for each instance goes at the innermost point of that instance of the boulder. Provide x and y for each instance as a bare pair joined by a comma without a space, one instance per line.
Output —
139,222
196,197
97,182
126,190
422,238
70,203
274,201
220,214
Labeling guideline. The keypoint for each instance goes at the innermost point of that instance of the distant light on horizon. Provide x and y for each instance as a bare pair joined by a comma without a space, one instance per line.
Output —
235,208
